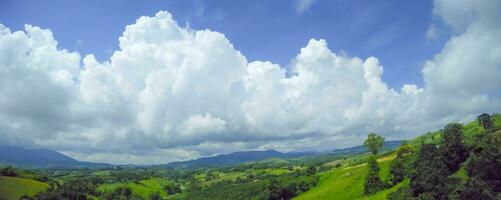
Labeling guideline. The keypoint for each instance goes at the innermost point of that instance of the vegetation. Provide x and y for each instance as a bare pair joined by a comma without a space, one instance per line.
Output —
15,187
373,182
457,162
374,143
401,166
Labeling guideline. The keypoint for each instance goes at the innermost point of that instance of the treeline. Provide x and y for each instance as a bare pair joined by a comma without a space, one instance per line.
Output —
261,186
450,169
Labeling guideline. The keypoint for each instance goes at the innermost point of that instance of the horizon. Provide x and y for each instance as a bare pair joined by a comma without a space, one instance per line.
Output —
167,81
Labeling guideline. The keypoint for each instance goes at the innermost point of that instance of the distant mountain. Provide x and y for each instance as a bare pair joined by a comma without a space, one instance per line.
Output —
388,145
46,158
236,158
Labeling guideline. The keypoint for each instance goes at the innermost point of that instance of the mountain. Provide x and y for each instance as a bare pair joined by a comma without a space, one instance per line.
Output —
19,156
236,158
251,156
388,145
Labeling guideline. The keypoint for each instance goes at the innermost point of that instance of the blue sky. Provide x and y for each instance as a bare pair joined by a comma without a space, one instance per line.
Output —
174,91
393,31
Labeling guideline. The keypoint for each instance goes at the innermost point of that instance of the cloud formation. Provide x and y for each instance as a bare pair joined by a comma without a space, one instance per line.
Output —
171,93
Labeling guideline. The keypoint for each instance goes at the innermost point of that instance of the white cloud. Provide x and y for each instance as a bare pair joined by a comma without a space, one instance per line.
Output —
303,5
171,93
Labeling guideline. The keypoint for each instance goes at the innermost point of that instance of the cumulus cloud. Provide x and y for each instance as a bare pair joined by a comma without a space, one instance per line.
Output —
171,93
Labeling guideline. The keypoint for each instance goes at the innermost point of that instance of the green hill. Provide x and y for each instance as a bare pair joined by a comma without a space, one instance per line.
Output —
13,187
348,182
345,183
143,189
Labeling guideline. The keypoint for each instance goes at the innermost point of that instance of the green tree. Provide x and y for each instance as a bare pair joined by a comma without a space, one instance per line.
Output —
8,171
430,175
452,146
483,170
485,121
373,182
311,170
401,166
374,143
274,190
155,196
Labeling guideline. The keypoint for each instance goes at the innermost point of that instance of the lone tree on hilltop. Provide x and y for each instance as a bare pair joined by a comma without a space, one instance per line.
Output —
374,143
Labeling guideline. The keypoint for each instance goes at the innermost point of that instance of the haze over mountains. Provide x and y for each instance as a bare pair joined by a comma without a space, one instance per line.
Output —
46,158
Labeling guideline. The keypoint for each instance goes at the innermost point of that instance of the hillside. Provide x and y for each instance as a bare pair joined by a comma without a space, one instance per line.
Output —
13,187
347,182
18,156
142,189
236,158
344,183
387,146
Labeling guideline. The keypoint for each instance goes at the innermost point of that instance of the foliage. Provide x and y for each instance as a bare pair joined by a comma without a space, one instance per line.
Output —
8,171
373,182
286,187
172,188
431,173
155,196
119,193
374,143
485,121
401,193
311,170
453,150
484,172
401,166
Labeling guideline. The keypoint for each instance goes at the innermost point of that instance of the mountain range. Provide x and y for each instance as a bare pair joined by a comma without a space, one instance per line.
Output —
19,156
46,158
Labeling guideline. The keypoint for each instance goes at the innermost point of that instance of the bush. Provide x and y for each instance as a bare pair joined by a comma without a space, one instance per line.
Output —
8,171
401,166
401,193
373,182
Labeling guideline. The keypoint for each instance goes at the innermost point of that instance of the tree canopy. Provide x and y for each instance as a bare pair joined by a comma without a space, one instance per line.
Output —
374,143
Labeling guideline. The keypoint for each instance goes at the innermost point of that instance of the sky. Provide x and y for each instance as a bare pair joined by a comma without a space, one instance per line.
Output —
149,82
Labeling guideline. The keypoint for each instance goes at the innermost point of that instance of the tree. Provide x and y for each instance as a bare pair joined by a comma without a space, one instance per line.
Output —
485,121
311,170
172,188
452,147
373,182
401,166
483,170
274,190
374,143
8,171
155,196
430,175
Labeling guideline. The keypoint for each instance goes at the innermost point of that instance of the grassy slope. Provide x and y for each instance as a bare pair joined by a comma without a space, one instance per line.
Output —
344,183
347,183
143,189
13,187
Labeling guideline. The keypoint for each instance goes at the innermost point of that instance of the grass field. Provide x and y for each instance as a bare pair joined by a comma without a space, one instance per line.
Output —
13,187
346,183
144,188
